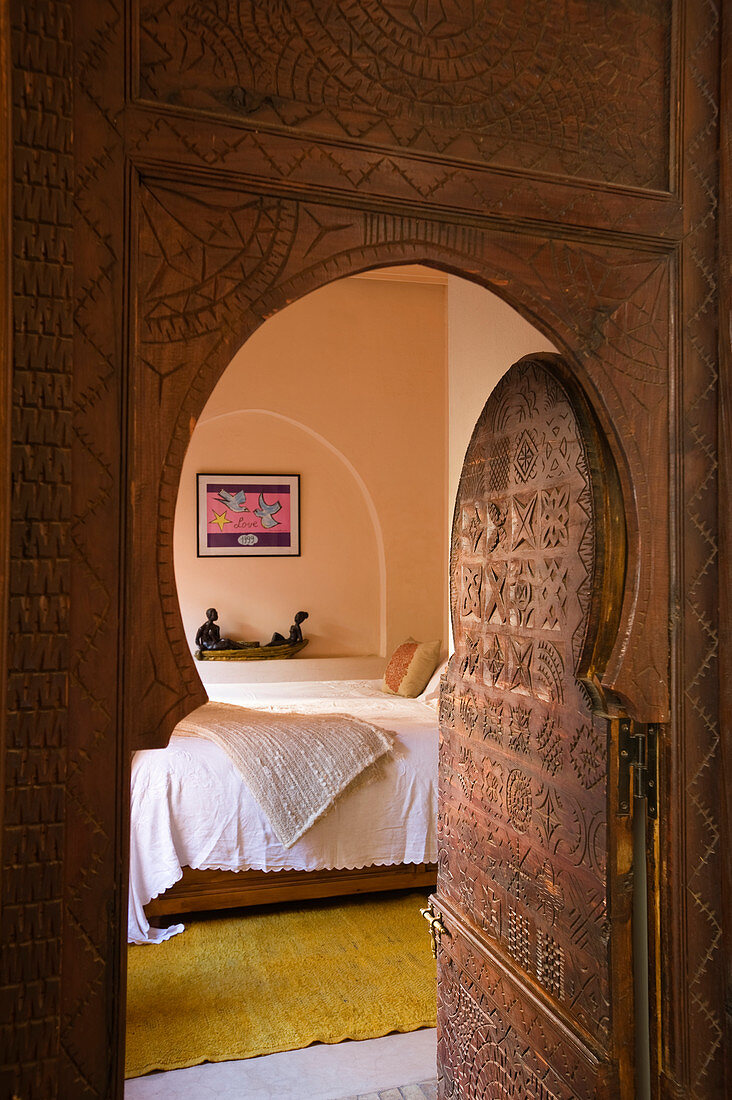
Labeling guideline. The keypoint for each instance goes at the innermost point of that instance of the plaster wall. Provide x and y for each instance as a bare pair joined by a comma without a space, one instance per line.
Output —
348,388
485,336
370,389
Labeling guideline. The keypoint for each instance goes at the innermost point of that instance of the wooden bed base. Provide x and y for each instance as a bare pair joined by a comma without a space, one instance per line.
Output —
199,891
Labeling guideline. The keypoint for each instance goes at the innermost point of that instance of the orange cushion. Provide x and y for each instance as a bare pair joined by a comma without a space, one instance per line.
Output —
410,667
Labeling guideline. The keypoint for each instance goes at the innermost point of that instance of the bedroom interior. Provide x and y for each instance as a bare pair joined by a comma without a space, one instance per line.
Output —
178,173
386,370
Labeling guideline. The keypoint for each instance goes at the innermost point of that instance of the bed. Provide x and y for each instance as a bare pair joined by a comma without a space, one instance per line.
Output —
199,840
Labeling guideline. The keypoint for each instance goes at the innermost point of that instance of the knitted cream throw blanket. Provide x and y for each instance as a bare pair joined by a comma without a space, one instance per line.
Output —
296,765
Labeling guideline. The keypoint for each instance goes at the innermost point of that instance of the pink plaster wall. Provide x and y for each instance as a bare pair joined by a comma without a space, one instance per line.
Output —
348,388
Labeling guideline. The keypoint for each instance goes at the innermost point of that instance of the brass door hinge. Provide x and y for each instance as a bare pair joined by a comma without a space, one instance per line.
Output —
638,749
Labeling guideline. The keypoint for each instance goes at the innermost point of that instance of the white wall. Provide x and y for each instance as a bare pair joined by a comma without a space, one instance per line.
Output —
485,336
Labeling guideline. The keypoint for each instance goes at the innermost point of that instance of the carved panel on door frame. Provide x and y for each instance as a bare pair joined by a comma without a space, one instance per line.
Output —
38,780
444,78
197,142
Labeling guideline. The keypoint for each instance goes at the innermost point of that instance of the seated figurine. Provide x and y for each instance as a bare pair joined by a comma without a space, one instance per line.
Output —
295,631
209,637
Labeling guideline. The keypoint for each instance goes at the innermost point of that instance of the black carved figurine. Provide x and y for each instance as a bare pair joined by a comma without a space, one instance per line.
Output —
209,636
295,631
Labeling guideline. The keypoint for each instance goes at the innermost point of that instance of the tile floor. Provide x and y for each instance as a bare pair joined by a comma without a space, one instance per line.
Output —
426,1091
397,1067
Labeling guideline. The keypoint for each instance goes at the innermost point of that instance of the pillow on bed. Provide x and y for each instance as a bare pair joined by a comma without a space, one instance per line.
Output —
410,667
431,694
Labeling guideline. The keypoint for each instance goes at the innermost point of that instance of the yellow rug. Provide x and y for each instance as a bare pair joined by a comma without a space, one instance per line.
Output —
268,980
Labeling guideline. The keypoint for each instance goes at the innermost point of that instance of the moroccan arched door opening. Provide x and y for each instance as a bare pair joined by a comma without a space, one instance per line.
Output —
183,354
554,500
535,864
173,378
179,181
528,870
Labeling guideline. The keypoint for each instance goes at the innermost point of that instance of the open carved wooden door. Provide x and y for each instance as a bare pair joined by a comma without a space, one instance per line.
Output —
534,887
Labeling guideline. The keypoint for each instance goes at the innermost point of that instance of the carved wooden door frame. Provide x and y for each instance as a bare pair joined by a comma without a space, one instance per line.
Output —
162,683
623,277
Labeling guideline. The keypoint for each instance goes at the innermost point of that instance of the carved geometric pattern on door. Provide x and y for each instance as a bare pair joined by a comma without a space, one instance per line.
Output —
549,746
524,522
555,517
498,467
519,732
497,595
532,834
495,660
474,528
588,755
486,1047
493,720
472,590
526,454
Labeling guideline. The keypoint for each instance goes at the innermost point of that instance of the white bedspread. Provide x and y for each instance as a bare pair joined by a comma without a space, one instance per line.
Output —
191,808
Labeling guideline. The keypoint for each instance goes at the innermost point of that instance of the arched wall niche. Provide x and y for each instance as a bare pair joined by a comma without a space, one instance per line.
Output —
388,370
607,313
257,595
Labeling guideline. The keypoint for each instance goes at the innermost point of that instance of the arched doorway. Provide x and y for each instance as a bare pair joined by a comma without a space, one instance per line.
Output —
611,337
181,356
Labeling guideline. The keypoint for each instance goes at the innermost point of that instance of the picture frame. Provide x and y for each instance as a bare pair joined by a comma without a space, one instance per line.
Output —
248,515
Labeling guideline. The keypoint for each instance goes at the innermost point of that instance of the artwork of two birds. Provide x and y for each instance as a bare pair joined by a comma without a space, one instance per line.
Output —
237,503
242,514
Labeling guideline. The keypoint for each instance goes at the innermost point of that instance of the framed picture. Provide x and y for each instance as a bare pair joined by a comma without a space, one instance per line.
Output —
248,515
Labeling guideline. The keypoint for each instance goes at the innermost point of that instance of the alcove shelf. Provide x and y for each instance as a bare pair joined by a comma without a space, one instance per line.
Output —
299,669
